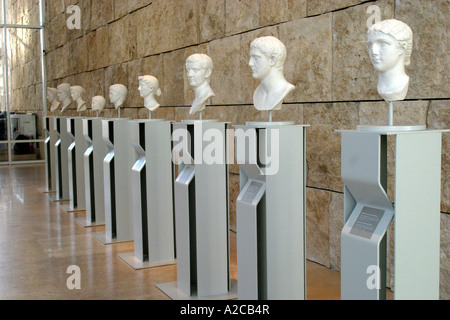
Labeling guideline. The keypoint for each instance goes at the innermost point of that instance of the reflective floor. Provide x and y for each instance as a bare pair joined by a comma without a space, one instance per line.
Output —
39,241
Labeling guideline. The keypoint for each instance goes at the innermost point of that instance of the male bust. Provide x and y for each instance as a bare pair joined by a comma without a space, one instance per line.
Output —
52,98
117,94
267,58
77,93
199,68
64,95
390,46
98,103
148,88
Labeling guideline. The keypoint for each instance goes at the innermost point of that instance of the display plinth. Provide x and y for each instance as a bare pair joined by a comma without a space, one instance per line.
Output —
368,212
152,195
117,166
61,161
49,149
93,173
75,156
201,212
270,211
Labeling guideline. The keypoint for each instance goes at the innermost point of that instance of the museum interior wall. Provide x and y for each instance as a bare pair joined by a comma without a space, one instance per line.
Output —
328,62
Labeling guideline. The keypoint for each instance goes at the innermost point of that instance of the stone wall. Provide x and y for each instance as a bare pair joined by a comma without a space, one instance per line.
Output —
327,61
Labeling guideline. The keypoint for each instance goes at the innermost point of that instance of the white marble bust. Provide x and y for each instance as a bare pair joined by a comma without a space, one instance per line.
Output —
117,95
52,98
199,68
390,46
148,88
267,58
77,93
64,95
98,103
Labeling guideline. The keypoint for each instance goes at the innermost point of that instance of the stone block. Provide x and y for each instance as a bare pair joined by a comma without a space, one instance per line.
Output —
318,7
122,40
317,226
211,20
241,15
309,62
98,48
166,25
429,67
323,144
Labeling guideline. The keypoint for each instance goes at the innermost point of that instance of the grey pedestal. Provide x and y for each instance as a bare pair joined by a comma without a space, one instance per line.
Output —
369,211
93,173
61,160
117,166
201,217
49,150
152,195
75,155
270,211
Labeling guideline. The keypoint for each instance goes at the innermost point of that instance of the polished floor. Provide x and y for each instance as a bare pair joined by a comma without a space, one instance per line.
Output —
39,241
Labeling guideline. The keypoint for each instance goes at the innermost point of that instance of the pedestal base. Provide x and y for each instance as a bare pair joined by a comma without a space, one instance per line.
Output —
55,197
68,208
101,236
83,221
44,190
171,290
137,264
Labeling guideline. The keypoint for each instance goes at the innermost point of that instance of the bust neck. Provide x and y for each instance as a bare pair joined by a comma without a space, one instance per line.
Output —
150,103
393,84
272,91
202,94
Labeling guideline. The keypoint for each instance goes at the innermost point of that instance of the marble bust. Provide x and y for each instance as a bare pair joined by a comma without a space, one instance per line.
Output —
52,97
98,103
199,68
148,88
267,58
390,46
117,94
64,95
77,93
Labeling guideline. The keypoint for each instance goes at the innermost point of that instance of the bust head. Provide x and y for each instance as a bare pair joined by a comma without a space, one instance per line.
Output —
266,53
63,91
52,94
117,94
199,68
390,46
390,42
77,92
98,103
148,85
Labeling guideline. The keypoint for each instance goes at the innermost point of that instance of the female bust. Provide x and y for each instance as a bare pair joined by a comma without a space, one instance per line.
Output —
148,88
117,94
390,46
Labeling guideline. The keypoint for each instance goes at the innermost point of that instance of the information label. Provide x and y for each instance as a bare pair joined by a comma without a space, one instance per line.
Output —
367,221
